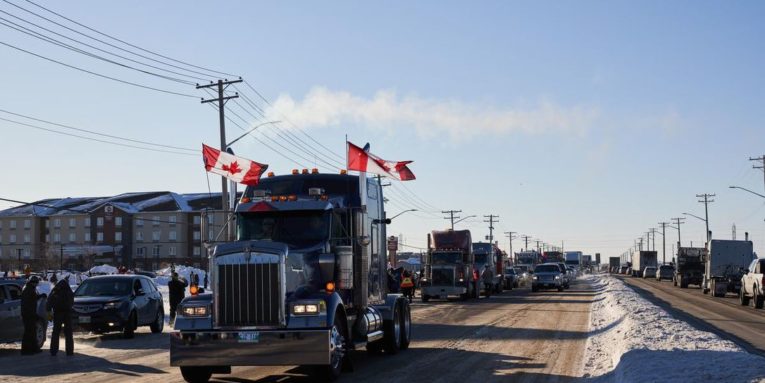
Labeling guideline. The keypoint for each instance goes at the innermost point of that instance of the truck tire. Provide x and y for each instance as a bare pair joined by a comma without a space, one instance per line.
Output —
425,298
742,298
759,299
338,349
392,332
194,374
406,325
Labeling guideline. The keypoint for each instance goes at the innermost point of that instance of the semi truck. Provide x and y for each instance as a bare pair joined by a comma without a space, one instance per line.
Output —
689,269
553,256
304,283
641,260
613,264
487,253
573,258
724,264
449,266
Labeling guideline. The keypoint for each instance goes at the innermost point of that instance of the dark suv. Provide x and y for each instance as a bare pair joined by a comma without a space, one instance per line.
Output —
11,325
118,303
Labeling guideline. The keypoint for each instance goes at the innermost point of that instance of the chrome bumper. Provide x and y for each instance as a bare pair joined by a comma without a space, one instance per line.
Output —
271,348
443,290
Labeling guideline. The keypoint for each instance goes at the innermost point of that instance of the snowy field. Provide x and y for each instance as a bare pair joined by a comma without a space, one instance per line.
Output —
633,340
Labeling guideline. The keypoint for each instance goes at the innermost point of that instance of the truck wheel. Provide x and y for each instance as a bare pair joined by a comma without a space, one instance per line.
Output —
425,298
194,374
337,349
40,331
742,298
392,332
406,325
758,299
128,332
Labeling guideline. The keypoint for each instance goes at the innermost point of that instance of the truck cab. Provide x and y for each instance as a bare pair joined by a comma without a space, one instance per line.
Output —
486,253
304,283
449,266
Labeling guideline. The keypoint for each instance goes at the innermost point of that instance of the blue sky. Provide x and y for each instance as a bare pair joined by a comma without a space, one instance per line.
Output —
582,122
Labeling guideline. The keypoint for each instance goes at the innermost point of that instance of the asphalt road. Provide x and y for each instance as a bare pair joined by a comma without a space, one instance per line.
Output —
723,316
518,335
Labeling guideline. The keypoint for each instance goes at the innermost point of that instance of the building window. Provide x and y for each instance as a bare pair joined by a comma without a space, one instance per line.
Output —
27,238
12,239
139,236
155,251
87,221
99,237
197,250
27,253
27,223
197,235
171,250
155,235
197,220
172,219
100,221
118,221
72,237
140,251
118,236
139,222
155,220
87,236
56,237
172,235
72,222
13,224
57,223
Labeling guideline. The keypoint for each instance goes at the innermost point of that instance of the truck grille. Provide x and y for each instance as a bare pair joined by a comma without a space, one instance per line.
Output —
249,295
443,277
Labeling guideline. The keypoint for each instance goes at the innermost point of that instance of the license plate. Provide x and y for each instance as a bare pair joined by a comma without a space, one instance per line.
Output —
84,319
249,337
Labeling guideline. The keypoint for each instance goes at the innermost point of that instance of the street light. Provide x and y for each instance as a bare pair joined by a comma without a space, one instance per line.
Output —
462,219
695,216
251,130
387,221
405,211
745,189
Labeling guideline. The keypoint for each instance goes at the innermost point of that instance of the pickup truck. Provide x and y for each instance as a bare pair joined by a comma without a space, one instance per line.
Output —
752,284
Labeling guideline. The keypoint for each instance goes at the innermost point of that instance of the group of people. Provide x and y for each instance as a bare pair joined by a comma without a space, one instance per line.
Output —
58,305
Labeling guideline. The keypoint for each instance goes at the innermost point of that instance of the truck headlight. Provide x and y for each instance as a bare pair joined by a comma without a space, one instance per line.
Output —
194,311
557,277
307,308
534,277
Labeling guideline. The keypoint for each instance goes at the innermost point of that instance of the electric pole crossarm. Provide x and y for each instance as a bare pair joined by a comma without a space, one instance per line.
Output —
224,99
221,82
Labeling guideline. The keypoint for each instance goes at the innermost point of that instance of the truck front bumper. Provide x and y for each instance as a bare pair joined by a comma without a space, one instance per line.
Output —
250,348
443,291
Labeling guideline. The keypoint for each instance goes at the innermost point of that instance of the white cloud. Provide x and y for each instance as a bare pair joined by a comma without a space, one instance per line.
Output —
322,107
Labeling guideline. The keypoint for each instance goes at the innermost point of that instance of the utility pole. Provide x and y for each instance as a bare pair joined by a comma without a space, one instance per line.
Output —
491,223
451,216
221,99
706,202
538,246
678,222
664,241
526,241
761,160
509,235
653,238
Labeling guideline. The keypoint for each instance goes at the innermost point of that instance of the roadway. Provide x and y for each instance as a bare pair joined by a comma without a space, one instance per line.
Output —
518,335
723,316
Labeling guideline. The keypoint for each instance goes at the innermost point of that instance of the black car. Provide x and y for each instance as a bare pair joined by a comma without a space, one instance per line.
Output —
118,303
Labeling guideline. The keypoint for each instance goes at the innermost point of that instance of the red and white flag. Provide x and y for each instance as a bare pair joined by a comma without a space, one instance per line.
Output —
235,168
363,161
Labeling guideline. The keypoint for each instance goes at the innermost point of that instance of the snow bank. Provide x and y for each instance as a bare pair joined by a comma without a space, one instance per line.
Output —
103,269
633,340
164,275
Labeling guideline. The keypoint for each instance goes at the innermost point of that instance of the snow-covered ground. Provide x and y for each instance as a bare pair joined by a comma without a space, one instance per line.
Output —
633,340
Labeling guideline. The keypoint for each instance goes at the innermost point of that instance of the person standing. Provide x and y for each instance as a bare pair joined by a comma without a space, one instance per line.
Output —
407,285
29,298
61,301
177,289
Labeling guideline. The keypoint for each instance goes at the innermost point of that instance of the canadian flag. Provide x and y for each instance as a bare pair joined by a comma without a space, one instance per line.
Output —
235,168
363,161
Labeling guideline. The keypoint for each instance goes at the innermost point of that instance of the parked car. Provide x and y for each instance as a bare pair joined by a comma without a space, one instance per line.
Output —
118,303
11,324
565,275
547,275
752,284
665,272
511,278
649,272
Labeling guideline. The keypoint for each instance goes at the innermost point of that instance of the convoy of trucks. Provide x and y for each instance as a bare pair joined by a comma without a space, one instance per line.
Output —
689,269
641,260
487,253
304,283
449,266
724,265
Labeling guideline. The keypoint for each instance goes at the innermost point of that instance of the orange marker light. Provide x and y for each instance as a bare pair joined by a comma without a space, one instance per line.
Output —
194,290
343,171
270,174
295,171
246,199
305,171
330,287
292,197
274,198
314,171
282,198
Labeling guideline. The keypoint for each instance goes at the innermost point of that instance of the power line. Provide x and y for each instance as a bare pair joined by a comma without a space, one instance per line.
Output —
97,74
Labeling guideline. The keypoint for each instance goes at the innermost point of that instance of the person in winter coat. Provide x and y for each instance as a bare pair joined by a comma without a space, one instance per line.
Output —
60,302
177,289
487,277
29,298
407,285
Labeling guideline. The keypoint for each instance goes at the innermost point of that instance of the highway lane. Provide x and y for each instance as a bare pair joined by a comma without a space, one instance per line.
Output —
723,316
519,335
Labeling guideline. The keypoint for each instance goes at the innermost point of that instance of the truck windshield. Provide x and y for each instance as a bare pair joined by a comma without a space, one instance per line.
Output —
447,257
297,229
480,259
